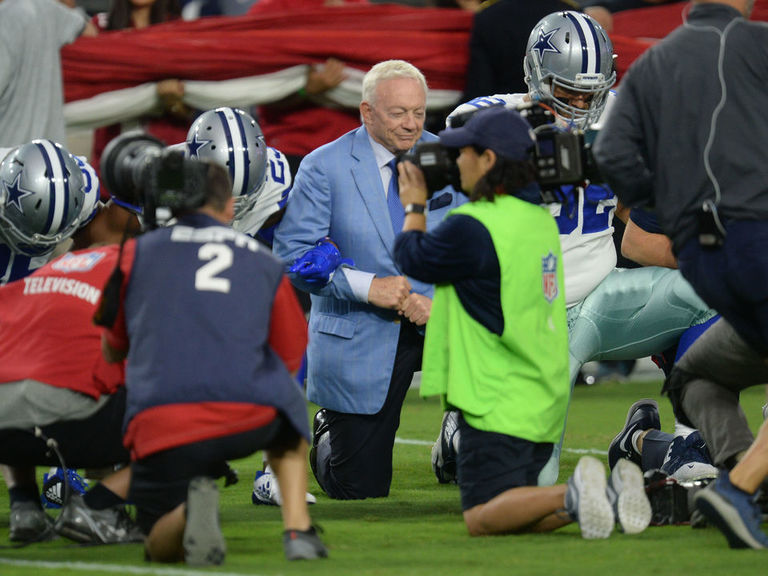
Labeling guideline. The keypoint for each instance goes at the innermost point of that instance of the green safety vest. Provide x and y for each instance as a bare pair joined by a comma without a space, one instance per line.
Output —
516,383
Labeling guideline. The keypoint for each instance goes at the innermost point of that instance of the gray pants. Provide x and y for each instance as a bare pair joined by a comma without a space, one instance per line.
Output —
705,385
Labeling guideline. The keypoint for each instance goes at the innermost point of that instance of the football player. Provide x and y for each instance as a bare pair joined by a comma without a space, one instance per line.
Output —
613,313
45,196
261,177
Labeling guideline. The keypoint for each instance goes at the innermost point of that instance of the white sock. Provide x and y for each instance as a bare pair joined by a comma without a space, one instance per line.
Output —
635,438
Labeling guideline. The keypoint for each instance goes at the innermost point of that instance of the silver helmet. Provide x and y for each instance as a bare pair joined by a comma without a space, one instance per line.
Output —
572,52
42,197
232,138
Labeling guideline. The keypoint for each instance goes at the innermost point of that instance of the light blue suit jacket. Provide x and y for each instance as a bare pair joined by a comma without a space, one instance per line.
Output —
352,344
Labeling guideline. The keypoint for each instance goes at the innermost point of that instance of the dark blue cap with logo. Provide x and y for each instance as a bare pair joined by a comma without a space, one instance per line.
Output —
501,129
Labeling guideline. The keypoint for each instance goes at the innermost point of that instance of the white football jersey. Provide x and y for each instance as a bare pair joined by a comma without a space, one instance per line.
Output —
270,197
585,219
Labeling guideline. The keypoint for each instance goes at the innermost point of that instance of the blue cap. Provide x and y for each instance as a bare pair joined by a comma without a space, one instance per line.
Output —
501,129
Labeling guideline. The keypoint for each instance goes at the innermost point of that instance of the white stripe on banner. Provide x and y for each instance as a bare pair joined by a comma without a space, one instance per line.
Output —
114,568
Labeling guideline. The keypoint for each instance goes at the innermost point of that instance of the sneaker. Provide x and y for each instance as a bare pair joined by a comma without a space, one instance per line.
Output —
765,411
446,448
53,486
28,523
688,460
81,523
586,500
626,493
642,415
303,545
319,427
267,491
733,511
203,541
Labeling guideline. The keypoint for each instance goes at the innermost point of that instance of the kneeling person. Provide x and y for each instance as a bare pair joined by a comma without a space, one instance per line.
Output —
496,345
204,385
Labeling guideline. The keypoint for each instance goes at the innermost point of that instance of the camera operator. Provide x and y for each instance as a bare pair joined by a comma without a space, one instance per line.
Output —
190,297
496,345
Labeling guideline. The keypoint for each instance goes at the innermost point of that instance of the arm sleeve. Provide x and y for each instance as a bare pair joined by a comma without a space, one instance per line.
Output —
288,327
460,247
645,220
69,22
117,335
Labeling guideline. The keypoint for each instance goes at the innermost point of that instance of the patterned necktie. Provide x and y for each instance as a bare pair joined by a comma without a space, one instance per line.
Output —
396,212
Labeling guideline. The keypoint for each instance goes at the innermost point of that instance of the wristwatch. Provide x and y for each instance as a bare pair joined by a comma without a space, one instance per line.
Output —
415,209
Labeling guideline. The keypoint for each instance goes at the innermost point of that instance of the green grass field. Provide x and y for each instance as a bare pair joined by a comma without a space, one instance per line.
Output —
419,528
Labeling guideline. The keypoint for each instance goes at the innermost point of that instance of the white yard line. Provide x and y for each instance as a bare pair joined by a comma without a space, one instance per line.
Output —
115,568
571,450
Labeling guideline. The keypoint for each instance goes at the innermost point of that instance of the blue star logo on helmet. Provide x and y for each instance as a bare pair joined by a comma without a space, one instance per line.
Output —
194,145
544,43
15,193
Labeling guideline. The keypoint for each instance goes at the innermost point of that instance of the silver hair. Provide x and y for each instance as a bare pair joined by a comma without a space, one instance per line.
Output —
387,70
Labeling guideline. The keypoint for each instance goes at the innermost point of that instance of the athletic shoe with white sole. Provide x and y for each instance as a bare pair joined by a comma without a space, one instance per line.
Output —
446,448
266,490
642,415
688,460
586,500
733,511
203,541
626,493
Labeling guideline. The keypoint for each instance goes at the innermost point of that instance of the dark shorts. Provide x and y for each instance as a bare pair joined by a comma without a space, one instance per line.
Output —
490,463
93,442
159,482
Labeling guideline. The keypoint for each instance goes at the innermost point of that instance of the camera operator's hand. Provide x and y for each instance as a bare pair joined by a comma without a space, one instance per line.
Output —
413,187
416,307
389,291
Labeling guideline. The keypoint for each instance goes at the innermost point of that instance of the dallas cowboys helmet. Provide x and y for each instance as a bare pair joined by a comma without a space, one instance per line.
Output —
570,50
42,196
232,138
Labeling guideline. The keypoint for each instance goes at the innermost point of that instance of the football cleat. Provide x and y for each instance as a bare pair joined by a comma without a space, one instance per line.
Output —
642,415
445,450
267,491
53,486
586,499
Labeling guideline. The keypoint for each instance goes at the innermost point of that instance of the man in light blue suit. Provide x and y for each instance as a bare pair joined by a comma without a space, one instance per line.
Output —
366,324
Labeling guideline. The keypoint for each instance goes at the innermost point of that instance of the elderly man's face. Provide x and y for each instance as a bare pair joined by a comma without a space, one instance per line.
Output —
395,118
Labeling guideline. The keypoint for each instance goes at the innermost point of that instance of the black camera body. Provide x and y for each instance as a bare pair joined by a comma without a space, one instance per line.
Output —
172,184
140,170
560,157
438,164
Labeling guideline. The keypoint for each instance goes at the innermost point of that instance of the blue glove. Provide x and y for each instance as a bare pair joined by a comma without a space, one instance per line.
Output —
317,266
